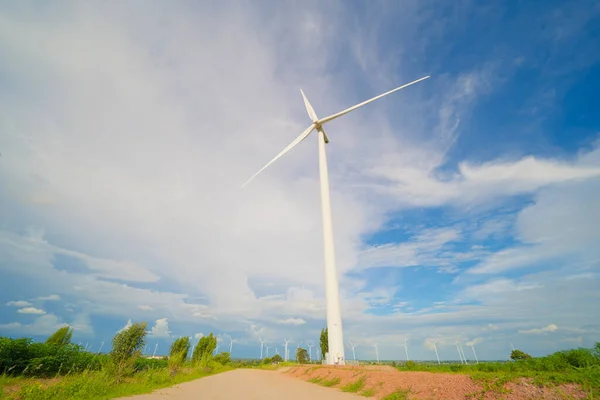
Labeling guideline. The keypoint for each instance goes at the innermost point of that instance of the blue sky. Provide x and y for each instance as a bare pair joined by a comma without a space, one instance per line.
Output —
463,206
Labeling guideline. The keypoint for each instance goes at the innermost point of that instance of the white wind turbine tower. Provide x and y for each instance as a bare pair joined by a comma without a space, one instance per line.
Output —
262,343
310,351
406,348
353,352
285,355
267,347
334,316
459,353
436,352
101,345
155,348
376,352
462,352
231,340
472,346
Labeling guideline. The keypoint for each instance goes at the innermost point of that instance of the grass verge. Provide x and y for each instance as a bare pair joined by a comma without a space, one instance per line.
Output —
400,394
355,386
330,382
96,385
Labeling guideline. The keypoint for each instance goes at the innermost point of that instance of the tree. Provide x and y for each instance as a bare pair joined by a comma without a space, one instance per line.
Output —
61,337
519,355
223,358
127,347
276,358
205,347
301,355
324,343
178,353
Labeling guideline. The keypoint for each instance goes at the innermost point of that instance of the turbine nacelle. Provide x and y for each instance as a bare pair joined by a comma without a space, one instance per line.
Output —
317,124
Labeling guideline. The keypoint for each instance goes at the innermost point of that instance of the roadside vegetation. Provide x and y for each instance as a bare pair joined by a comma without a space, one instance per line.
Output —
580,366
58,369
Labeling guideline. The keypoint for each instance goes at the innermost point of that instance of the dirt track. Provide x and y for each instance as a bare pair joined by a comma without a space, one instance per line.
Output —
249,385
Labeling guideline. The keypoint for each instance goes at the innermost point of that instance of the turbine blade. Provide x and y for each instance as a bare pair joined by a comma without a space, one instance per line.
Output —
346,111
300,138
309,109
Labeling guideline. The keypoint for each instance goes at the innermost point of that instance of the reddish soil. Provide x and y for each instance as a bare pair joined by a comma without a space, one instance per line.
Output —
384,380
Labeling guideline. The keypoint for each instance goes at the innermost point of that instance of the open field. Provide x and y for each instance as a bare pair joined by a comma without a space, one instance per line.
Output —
58,369
385,382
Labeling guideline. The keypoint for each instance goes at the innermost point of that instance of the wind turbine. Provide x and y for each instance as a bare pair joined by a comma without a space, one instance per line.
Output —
472,346
285,356
334,315
262,342
353,352
155,348
231,340
217,348
463,352
86,346
436,352
459,354
267,347
406,348
310,351
376,352
100,349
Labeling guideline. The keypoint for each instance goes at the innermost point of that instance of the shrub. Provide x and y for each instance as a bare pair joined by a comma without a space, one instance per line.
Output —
267,360
178,353
276,358
206,345
61,337
410,365
519,355
301,355
127,347
223,358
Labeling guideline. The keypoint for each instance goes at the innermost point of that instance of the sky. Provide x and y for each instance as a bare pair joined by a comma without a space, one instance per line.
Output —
464,207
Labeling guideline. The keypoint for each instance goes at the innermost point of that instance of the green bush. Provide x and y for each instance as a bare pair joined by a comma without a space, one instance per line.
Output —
410,365
127,347
223,358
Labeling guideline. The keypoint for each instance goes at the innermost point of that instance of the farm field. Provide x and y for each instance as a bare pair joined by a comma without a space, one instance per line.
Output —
58,369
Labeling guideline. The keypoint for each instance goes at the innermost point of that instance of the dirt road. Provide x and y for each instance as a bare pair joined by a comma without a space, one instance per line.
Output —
247,384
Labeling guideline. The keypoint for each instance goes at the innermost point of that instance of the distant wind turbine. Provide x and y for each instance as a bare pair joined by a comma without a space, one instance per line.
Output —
267,347
436,352
353,352
472,346
231,340
285,356
406,348
100,349
262,342
309,351
376,352
463,352
155,348
334,316
459,353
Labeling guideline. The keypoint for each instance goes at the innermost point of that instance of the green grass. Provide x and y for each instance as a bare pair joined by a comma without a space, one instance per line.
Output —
98,385
400,394
330,382
316,379
370,392
356,386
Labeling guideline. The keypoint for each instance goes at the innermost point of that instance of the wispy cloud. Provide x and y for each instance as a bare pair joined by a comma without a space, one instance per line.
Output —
31,310
538,331
19,303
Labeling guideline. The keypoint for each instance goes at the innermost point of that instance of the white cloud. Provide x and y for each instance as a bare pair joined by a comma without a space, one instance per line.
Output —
52,297
19,303
199,335
291,321
31,310
175,210
160,328
43,325
537,331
